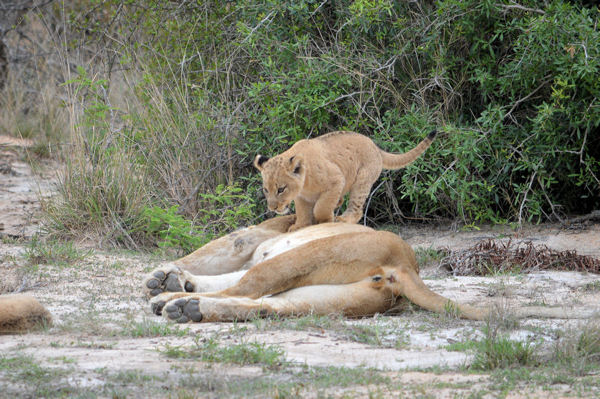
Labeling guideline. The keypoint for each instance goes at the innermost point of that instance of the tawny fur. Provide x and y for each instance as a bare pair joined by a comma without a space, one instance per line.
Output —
21,313
316,174
346,269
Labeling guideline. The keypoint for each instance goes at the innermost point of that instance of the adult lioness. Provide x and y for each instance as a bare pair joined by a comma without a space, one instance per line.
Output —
317,173
322,269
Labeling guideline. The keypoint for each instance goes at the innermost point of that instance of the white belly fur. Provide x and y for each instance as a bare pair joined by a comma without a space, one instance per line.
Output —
285,242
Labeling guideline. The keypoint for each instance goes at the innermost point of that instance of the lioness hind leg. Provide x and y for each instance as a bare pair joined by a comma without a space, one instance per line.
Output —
183,310
188,308
159,301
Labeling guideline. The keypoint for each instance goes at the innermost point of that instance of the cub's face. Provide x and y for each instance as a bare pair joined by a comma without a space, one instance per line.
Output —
283,178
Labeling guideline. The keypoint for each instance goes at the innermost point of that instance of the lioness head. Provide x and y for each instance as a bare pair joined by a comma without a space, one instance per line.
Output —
283,178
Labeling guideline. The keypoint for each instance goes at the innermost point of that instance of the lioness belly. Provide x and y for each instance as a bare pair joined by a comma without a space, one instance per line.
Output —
285,242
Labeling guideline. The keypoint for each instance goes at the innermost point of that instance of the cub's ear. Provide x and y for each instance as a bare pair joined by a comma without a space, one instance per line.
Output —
296,163
259,161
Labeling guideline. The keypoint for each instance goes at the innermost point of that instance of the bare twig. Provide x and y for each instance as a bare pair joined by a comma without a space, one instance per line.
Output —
525,196
516,6
264,20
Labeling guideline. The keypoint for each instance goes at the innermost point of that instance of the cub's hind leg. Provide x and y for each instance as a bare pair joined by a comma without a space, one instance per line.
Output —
358,195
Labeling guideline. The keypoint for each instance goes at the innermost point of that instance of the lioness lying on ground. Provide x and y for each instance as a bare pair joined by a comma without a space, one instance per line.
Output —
322,269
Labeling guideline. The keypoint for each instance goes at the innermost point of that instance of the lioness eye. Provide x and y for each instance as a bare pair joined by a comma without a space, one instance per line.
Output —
281,189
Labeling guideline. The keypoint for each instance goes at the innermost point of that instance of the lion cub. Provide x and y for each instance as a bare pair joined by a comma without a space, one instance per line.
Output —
317,173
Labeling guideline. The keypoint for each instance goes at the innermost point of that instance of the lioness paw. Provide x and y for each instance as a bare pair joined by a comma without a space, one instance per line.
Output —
168,278
158,302
183,310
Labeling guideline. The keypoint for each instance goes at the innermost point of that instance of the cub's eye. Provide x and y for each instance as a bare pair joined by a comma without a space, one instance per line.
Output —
281,190
265,190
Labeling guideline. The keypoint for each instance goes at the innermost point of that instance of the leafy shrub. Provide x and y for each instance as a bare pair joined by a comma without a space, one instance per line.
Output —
512,87
221,212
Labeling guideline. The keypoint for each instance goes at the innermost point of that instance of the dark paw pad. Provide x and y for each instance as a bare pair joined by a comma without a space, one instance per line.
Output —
184,310
163,282
172,283
157,307
189,287
152,283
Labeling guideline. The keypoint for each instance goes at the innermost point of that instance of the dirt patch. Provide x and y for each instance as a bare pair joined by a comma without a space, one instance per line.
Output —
106,343
21,189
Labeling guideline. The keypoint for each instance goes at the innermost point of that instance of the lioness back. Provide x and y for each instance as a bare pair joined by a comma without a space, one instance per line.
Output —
317,173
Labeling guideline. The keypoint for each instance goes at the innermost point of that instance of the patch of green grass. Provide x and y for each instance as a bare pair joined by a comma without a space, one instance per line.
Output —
132,377
118,266
496,350
489,269
593,286
462,346
429,255
5,239
451,310
63,359
53,252
364,333
501,352
208,350
151,328
34,380
94,345
301,323
579,349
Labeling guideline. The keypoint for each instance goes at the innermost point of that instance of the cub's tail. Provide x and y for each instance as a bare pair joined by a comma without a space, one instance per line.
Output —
397,161
21,313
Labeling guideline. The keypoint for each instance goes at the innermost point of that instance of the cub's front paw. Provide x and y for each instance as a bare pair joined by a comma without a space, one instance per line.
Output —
295,227
352,219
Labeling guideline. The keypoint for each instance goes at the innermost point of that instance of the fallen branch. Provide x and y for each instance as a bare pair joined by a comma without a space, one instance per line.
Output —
492,256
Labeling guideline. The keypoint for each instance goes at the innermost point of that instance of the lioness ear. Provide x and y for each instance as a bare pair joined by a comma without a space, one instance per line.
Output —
259,161
296,164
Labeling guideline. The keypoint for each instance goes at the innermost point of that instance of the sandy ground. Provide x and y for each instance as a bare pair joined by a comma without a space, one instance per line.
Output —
106,343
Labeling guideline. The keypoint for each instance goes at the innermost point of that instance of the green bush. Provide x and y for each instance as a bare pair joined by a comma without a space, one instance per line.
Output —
221,212
513,88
